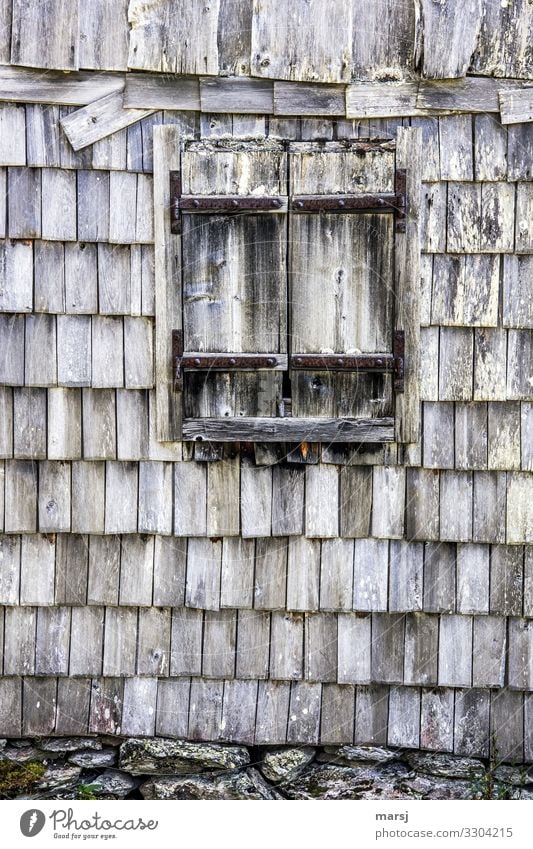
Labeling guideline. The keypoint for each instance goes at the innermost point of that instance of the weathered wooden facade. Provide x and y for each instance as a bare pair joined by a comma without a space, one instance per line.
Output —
297,590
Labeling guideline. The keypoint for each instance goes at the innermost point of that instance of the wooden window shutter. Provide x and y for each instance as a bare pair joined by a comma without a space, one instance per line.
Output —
296,277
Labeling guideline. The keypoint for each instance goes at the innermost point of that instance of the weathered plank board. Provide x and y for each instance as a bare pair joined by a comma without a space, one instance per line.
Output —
320,647
184,43
153,647
489,647
337,714
436,720
203,574
237,575
190,499
99,119
169,572
104,35
507,724
304,713
472,579
298,41
172,718
371,569
76,89
256,499
387,647
73,703
422,505
86,641
136,570
121,498
471,724
205,710
303,574
354,649
104,570
24,423
105,714
45,35
439,578
404,716
421,649
490,148
132,424
139,707
336,574
37,568
52,641
253,644
286,646
238,711
381,100
270,580
388,509
40,367
405,575
155,498
503,48
39,700
490,498
451,31
272,712
455,651
371,715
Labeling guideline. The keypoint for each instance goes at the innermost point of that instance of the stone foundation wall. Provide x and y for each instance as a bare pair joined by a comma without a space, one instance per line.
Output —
114,768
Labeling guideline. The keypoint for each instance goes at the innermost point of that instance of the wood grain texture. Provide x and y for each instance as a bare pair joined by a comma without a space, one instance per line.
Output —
45,35
104,35
78,89
99,119
160,40
450,35
297,41
503,48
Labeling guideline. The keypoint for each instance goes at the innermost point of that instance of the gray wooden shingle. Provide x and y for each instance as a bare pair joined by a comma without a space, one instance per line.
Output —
371,570
473,578
186,641
86,641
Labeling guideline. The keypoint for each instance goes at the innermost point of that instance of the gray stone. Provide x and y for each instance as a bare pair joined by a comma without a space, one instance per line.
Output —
24,754
423,787
59,776
112,784
171,757
3,744
247,784
359,754
92,760
69,744
285,764
322,781
446,766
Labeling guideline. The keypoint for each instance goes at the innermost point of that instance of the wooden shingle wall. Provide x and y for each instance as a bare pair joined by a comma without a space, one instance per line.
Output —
377,595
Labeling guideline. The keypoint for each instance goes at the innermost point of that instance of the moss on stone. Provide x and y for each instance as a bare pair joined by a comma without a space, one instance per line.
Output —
16,779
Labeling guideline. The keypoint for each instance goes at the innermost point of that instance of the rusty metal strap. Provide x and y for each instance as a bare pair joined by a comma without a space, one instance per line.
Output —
385,202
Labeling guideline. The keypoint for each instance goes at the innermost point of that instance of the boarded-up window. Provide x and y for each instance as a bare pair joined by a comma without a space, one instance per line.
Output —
282,310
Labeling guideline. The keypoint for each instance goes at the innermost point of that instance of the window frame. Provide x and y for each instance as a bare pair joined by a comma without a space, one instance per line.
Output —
403,426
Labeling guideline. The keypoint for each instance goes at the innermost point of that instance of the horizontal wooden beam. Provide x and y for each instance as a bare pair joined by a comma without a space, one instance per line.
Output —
99,119
73,89
250,429
516,105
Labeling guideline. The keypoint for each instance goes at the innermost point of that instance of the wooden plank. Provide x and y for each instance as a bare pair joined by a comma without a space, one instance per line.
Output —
10,569
93,206
49,290
24,203
172,718
506,580
190,493
20,497
302,99
88,512
114,280
286,646
439,577
355,501
99,119
463,220
336,574
139,709
12,360
320,647
456,148
450,36
170,556
456,506
456,364
37,568
527,436
371,715
39,700
371,570
74,350
337,714
219,642
45,36
86,641
517,306
270,579
81,278
471,724
64,424
490,354
6,10
519,151
71,569
234,95
40,366
153,649
438,435
304,713
104,570
490,148
404,717
99,424
205,710
107,352
303,574
298,42
186,642
203,574
256,499
384,38
405,575
7,418
519,508
105,715
354,649
433,207
160,40
234,37
490,498
132,424
465,290
381,100
19,640
504,436
455,651
287,500
167,284
238,711
52,641
59,199
73,703
436,720
490,640
421,649
519,364
520,654
12,135
76,89
155,498
388,507
54,499
503,28
272,713
121,498
237,576
136,573
28,424
104,35
524,207
473,579
497,217
16,272
138,353
110,152
321,501
387,647
253,644
223,485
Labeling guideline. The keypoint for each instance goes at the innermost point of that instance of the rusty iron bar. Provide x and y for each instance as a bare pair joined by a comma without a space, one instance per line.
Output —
201,203
344,362
386,202
400,185
398,349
